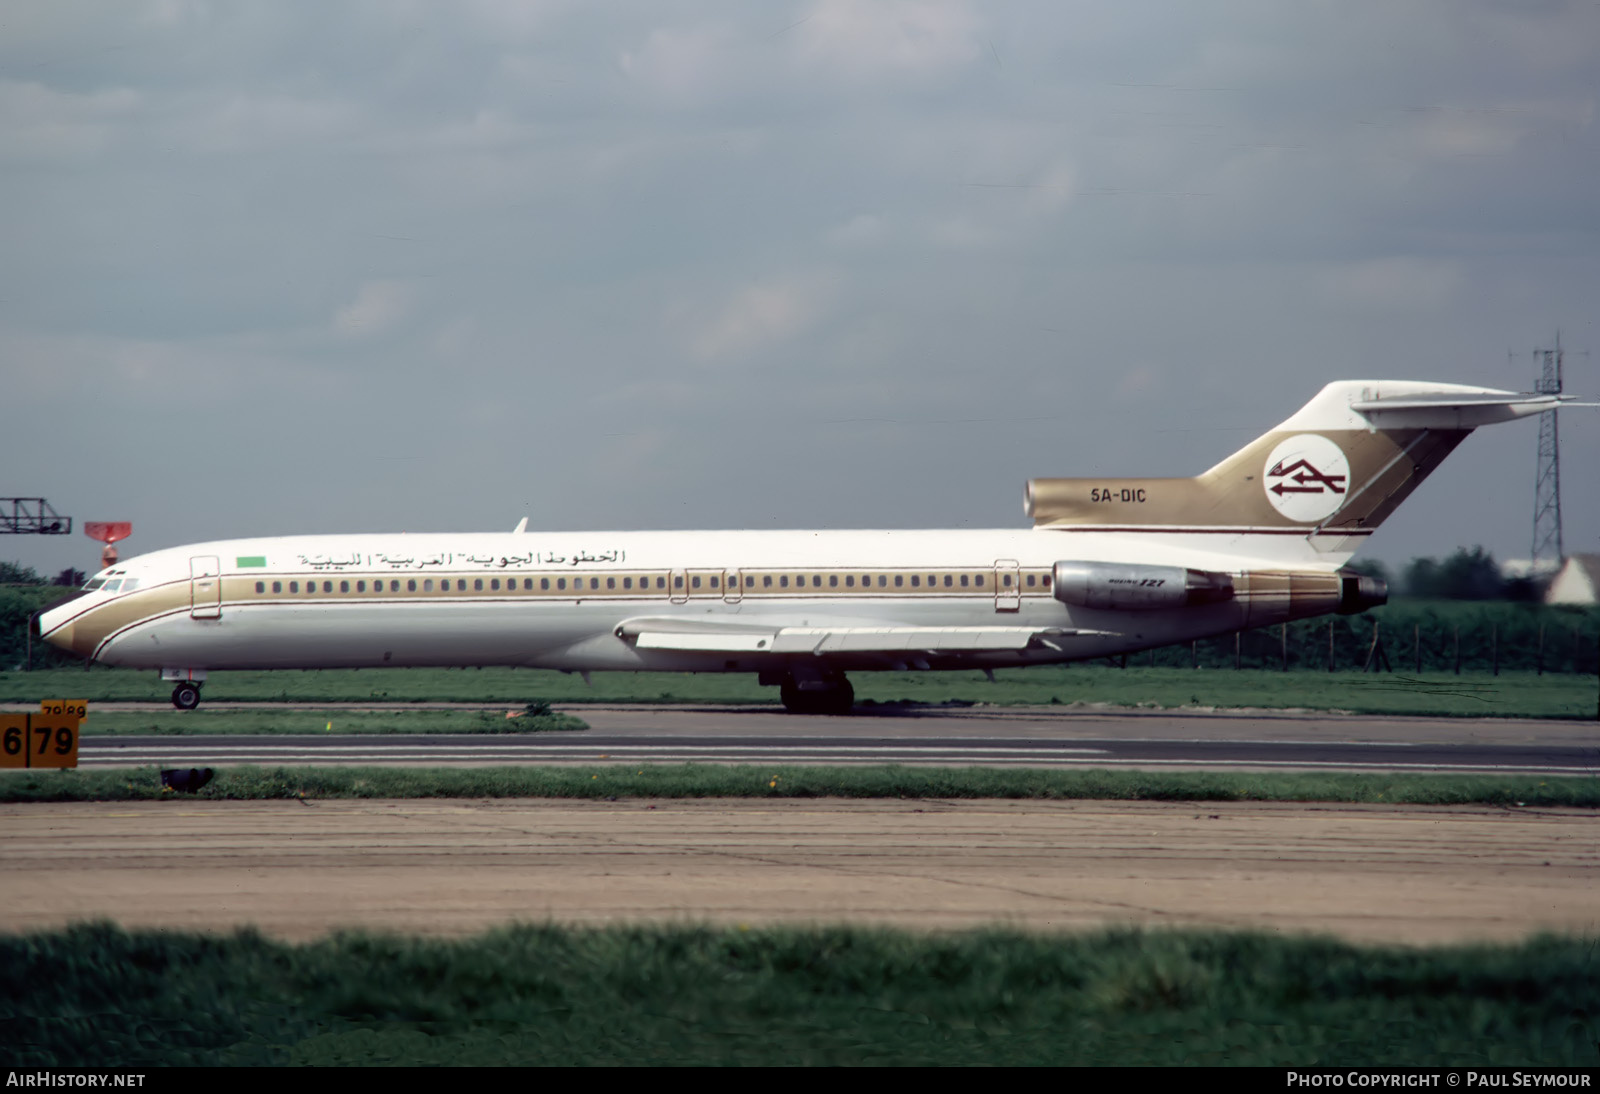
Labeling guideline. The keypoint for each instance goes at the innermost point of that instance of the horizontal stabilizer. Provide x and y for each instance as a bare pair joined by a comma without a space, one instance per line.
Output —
1453,410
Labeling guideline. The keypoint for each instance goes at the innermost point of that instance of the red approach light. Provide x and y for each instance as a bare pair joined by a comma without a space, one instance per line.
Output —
108,532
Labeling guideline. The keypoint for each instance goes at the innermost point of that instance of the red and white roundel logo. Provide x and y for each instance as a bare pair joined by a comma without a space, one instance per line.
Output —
1306,477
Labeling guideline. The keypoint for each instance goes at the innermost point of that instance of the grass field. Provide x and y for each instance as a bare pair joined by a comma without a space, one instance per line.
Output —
1511,695
602,780
686,995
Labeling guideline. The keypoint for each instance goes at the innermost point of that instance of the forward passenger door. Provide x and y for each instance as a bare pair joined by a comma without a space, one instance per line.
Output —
205,587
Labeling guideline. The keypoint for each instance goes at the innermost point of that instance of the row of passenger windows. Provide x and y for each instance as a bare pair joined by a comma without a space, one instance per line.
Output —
646,582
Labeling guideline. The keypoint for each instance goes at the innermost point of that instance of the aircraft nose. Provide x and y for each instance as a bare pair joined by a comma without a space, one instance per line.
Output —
52,622
57,624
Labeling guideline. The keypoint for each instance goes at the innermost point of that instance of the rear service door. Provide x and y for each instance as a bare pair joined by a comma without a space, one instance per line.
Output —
205,587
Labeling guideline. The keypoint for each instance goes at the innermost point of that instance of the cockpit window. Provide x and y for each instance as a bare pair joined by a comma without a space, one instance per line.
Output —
112,586
130,584
94,584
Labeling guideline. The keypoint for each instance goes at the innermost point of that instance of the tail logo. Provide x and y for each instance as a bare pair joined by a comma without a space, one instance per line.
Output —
1306,477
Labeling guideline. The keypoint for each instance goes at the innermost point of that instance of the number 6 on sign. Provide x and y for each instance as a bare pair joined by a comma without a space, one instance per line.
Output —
38,740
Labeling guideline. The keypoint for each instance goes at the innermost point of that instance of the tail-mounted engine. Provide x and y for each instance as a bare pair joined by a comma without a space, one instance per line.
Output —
1262,596
1137,588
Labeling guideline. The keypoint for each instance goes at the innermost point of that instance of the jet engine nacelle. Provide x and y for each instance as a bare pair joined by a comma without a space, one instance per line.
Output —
1137,588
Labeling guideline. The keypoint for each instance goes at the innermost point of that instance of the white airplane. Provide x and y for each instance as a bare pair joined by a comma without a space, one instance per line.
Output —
1111,566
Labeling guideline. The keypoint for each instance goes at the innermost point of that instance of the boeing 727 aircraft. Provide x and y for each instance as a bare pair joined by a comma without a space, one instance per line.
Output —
1111,566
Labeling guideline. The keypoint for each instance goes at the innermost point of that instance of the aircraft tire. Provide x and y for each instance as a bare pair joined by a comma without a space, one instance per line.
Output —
186,696
837,699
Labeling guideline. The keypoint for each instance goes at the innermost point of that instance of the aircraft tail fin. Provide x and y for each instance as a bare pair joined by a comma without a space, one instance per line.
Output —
1332,472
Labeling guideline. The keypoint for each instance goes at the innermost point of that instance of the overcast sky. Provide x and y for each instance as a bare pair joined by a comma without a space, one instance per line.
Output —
275,267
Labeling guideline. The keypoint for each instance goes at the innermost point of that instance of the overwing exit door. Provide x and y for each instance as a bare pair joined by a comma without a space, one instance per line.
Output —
1007,585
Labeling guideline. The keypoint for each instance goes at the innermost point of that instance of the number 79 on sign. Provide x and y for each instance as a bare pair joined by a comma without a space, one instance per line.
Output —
46,739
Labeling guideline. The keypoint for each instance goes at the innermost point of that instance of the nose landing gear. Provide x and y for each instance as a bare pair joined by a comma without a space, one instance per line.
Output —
186,693
186,696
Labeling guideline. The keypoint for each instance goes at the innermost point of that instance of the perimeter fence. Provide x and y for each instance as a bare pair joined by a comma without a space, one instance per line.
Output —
1423,636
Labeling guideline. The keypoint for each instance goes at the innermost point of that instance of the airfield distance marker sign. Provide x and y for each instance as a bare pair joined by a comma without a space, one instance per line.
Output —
46,739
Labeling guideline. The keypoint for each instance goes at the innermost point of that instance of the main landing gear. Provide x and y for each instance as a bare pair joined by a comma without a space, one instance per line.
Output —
186,696
830,694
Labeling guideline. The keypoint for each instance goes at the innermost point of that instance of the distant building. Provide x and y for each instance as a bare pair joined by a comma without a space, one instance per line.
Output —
1516,569
1577,582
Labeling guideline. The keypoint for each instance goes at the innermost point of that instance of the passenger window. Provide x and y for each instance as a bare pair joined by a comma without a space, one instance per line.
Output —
477,583
1030,581
394,586
816,581
661,583
899,581
833,580
361,586
311,586
494,583
783,581
427,585
766,581
947,581
277,586
883,581
344,586
1045,581
850,581
627,583
294,586
261,586
714,581
694,582
963,581
544,583
327,586
411,585
677,581
916,581
611,583
980,581
561,583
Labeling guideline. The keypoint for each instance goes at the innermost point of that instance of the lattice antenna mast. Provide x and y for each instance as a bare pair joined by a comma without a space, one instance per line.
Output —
32,516
1547,546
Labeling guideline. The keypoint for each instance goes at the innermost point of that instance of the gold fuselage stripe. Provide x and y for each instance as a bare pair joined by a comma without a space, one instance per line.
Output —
632,583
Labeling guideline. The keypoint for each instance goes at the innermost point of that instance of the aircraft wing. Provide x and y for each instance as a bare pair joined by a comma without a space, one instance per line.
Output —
677,634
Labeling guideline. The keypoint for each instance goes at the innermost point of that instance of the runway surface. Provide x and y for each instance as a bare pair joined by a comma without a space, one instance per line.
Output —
296,870
945,736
